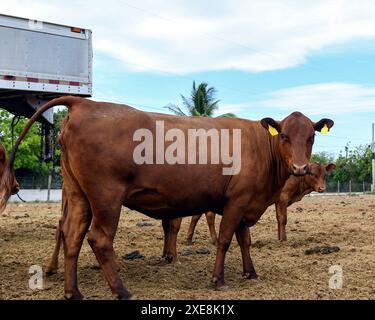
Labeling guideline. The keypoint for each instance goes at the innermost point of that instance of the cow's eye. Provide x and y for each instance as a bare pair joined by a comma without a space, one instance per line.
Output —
284,137
311,139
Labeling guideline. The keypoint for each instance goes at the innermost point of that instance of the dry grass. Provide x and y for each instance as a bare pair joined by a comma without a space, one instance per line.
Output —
285,271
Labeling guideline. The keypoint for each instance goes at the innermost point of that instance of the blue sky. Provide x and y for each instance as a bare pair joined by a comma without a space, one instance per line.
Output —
265,58
244,93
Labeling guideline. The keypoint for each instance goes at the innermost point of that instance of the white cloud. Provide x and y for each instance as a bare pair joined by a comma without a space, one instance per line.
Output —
189,36
324,98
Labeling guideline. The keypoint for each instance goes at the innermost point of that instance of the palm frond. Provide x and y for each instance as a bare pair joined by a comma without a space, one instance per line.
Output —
189,105
175,109
201,103
211,108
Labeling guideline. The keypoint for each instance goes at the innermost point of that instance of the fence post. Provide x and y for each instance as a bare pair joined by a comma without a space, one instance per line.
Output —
363,185
49,187
338,186
350,186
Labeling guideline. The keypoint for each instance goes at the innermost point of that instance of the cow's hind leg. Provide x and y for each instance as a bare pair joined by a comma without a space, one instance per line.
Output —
166,223
53,264
74,229
106,214
244,240
193,224
210,217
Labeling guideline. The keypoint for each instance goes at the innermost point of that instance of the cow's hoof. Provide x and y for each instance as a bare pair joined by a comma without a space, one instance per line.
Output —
73,296
219,285
189,242
250,275
51,271
222,287
126,295
170,258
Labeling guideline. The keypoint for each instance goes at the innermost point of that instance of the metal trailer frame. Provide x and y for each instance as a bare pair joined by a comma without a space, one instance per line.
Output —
24,91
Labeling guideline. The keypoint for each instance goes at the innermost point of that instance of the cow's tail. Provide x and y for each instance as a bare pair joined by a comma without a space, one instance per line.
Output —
7,179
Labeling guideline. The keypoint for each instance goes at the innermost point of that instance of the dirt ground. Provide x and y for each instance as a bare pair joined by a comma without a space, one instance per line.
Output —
285,270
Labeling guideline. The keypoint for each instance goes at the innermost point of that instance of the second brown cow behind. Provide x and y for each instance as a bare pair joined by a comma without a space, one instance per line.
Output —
295,188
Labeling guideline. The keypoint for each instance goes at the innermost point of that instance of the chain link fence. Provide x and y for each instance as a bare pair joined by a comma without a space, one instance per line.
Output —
33,181
348,187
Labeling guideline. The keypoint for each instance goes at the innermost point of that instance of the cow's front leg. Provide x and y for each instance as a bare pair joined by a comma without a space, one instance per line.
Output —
244,240
171,229
281,215
229,223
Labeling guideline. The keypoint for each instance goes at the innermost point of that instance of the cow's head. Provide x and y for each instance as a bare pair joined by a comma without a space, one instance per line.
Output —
315,179
295,136
12,182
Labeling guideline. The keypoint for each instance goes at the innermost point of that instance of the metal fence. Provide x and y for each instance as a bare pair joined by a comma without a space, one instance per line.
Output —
348,187
39,181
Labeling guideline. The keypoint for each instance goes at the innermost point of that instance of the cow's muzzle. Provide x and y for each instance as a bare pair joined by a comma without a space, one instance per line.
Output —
16,188
300,170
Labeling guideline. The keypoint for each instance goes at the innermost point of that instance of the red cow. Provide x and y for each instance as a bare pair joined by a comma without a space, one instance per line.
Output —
296,188
101,175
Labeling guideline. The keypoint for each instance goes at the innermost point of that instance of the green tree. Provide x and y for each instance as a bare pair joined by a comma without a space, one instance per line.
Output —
29,152
202,103
322,157
58,117
355,165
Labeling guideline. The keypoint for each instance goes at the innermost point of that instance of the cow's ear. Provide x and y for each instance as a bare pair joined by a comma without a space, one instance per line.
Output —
330,167
271,125
323,125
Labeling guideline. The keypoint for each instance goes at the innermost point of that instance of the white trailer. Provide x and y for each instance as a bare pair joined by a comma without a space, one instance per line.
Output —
40,61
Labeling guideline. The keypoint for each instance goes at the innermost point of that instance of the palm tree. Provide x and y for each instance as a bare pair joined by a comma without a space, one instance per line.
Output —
202,103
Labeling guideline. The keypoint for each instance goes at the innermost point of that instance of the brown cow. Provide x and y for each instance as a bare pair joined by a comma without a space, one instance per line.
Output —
14,186
101,175
296,188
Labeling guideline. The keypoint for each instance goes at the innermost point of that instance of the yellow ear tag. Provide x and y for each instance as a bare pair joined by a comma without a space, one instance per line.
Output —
272,131
324,129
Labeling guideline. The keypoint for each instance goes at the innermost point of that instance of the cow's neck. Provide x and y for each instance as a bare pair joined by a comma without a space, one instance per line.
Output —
304,187
279,173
